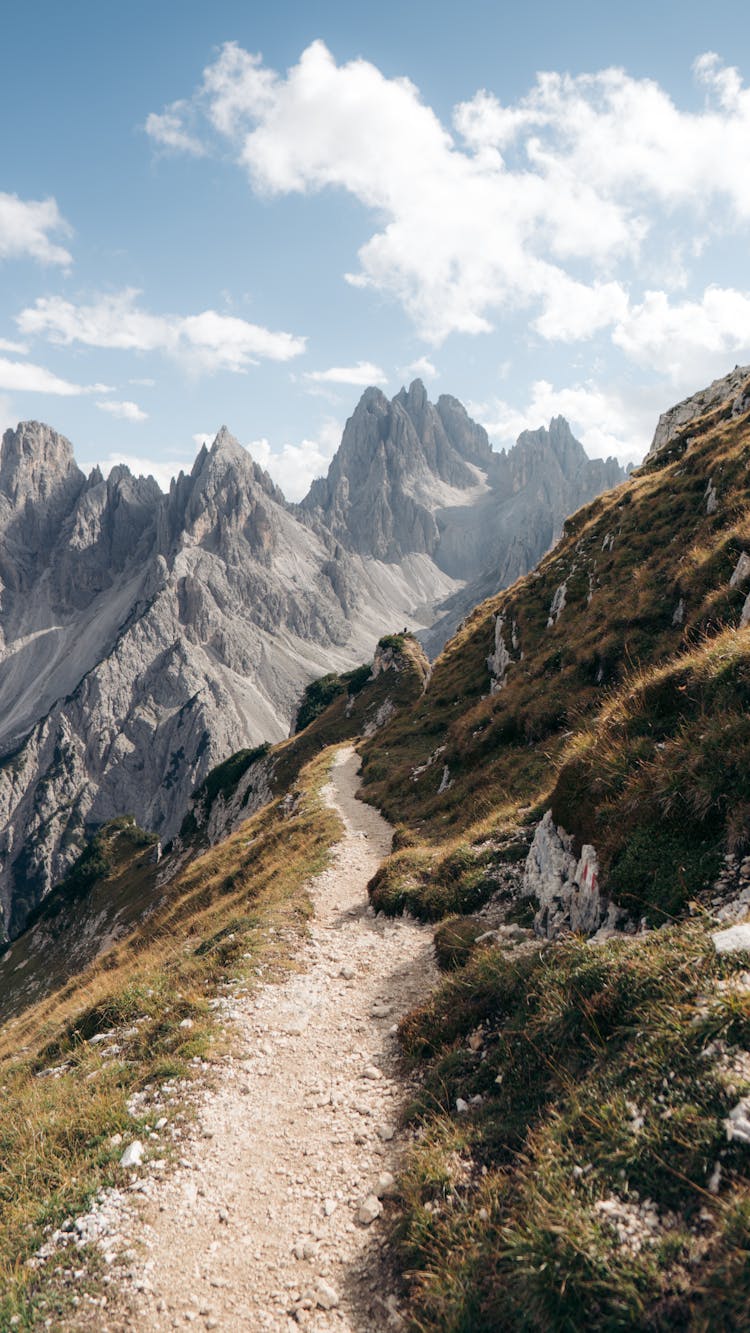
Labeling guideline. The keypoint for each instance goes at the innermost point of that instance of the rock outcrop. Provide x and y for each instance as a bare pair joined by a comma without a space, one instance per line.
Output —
734,387
566,886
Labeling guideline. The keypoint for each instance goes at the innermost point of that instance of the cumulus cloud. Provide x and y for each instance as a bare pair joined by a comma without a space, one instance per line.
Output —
361,375
25,226
544,205
146,467
7,345
422,369
691,339
295,466
26,377
206,342
167,129
126,411
606,421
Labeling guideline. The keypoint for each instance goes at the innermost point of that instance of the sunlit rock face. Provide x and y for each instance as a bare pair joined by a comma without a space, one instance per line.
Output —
144,637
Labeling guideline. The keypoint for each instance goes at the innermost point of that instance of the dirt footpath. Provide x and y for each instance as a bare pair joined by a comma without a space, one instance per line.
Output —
273,1218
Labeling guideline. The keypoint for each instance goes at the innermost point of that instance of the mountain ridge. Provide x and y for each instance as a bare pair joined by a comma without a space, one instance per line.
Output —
147,635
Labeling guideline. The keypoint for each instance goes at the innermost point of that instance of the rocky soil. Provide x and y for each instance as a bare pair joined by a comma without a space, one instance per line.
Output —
274,1217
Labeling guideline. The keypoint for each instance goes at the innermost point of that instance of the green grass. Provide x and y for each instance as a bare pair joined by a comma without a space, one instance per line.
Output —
597,1081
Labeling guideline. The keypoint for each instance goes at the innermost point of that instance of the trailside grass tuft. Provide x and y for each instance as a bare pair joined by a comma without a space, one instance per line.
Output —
64,1096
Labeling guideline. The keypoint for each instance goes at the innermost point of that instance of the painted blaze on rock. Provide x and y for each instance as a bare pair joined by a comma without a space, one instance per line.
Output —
565,886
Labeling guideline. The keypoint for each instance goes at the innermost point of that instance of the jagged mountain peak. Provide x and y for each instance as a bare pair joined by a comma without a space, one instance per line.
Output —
414,399
36,462
227,445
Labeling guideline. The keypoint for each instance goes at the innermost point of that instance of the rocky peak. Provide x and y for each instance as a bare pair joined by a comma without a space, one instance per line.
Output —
37,465
468,438
734,388
396,466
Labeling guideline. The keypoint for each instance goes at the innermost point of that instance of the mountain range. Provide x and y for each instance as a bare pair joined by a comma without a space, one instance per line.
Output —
144,637
568,781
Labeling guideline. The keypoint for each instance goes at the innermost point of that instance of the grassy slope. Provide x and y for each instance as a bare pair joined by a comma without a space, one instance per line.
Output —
115,950
605,1074
209,931
504,751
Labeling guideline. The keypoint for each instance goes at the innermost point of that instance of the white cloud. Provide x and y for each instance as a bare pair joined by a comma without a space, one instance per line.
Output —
689,340
146,467
25,226
205,342
543,205
126,411
168,130
363,374
26,377
295,466
202,438
606,421
6,345
422,369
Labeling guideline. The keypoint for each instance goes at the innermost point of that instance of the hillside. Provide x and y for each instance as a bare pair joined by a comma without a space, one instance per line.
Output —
568,784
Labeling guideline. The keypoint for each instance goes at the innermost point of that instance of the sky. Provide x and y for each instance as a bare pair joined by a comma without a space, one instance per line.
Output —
244,214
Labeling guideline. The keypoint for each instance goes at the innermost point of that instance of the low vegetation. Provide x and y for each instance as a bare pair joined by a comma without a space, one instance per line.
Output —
65,1095
591,1169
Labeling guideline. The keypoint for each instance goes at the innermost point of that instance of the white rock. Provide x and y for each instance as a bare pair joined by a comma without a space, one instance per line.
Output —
386,1186
371,1072
461,1106
325,1295
737,1123
133,1154
368,1210
732,940
741,570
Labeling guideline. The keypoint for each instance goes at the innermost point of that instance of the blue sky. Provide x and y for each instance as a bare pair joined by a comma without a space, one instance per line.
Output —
243,213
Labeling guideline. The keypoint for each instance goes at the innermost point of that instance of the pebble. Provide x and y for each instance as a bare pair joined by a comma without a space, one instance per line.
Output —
368,1210
372,1072
133,1154
326,1296
733,940
386,1186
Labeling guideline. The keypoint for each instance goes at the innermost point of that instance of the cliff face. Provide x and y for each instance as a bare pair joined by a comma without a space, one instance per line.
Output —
145,637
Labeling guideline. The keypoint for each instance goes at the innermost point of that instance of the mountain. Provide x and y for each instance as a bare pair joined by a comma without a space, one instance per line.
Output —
412,477
569,785
145,637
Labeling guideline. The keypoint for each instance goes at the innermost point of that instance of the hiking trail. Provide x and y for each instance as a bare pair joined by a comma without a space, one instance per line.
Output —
264,1223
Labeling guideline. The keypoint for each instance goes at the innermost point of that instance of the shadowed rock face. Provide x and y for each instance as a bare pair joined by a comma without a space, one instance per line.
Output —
145,637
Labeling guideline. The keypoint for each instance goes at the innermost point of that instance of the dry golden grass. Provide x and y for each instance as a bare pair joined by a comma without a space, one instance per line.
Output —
55,1132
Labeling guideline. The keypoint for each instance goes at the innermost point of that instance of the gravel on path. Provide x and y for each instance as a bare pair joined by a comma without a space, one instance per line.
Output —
274,1219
